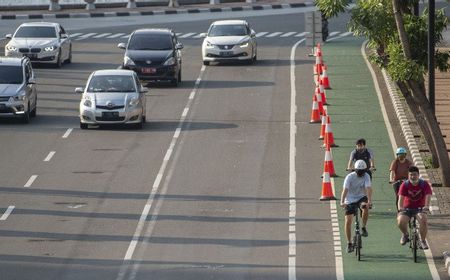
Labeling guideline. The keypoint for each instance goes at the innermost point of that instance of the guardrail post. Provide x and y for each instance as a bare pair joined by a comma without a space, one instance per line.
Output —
174,3
214,2
131,4
90,4
54,5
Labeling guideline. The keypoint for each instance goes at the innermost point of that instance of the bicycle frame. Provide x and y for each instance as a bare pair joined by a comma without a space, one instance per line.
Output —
357,240
414,232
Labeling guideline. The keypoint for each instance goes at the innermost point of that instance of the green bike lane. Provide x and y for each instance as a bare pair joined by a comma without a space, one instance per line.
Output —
355,113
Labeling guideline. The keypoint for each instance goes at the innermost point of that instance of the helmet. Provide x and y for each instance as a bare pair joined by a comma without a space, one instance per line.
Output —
400,150
360,165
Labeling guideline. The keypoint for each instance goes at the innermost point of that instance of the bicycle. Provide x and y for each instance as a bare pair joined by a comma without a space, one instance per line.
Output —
413,230
357,240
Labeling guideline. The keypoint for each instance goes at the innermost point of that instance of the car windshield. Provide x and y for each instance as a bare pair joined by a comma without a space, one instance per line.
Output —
35,32
111,83
11,74
150,42
228,30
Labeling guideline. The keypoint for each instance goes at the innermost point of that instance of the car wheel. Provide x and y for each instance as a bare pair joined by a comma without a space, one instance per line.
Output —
33,112
139,125
69,59
255,56
179,76
26,116
83,125
58,63
205,62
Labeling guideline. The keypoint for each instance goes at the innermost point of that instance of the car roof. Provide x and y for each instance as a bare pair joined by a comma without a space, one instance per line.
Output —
105,72
42,23
231,21
11,61
153,31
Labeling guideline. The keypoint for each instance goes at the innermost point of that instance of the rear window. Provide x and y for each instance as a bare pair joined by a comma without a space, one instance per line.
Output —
111,83
11,74
35,32
150,42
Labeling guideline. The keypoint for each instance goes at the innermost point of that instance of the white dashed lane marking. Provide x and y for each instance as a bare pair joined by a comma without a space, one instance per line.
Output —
30,181
7,213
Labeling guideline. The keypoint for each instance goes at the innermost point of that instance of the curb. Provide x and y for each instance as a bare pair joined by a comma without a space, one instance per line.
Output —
447,261
155,12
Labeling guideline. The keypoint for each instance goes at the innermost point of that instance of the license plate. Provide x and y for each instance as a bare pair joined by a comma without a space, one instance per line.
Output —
110,115
31,55
147,70
226,53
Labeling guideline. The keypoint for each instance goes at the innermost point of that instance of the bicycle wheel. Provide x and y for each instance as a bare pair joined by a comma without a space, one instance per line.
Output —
358,245
414,240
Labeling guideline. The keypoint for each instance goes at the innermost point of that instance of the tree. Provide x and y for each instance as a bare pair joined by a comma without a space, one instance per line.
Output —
400,40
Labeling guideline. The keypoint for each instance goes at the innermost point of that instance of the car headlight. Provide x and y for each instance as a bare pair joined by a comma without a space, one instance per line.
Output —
134,101
209,45
170,61
87,101
11,48
128,61
50,48
244,44
19,97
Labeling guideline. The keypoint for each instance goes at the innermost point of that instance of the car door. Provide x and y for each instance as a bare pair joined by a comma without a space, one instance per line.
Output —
30,88
64,43
177,45
141,94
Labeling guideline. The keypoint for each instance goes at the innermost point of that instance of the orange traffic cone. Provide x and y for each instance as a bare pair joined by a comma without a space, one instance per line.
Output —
322,93
328,165
318,65
329,138
325,80
315,114
318,48
319,101
324,122
327,190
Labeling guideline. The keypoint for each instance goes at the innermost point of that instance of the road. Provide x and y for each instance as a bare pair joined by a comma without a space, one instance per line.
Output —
204,191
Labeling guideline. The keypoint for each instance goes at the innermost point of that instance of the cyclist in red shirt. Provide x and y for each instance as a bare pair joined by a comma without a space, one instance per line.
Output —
414,194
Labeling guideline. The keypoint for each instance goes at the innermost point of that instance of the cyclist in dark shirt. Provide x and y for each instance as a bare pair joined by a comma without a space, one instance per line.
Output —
363,153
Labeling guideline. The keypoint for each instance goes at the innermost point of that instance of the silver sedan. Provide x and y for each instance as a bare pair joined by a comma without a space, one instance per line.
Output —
43,42
112,97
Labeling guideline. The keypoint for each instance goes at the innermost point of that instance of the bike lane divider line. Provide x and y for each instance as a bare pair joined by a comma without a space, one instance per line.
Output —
7,213
30,181
127,260
50,155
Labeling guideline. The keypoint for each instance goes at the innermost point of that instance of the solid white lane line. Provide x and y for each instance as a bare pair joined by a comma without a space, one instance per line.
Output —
155,188
301,34
49,156
74,35
125,36
199,35
102,35
292,257
333,33
7,213
85,36
115,35
68,131
288,34
30,181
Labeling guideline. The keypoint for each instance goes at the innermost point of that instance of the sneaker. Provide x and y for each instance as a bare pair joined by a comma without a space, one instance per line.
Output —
364,232
404,239
423,245
350,247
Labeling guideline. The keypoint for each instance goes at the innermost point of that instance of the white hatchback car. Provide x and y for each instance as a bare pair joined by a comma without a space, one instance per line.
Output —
112,97
229,40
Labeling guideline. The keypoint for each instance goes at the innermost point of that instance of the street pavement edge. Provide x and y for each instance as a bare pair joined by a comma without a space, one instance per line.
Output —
167,11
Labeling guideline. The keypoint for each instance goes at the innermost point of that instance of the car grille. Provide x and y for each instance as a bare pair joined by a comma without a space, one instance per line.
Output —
111,119
27,50
104,107
143,63
4,98
225,47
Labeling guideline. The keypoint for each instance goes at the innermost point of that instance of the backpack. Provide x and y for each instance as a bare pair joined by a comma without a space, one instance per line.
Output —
362,155
421,183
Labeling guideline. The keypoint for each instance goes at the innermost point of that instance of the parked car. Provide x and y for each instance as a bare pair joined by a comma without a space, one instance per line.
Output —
43,42
112,97
18,94
154,54
229,40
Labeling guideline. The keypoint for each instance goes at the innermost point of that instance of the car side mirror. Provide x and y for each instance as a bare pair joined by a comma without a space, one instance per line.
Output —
179,46
122,46
143,89
79,90
31,81
202,35
252,33
8,36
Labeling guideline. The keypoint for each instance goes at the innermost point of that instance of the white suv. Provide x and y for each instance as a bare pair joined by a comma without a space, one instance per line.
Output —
18,96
